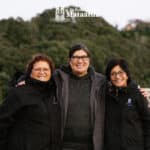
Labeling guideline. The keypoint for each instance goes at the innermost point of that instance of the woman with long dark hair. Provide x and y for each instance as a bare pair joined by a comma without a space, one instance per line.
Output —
127,119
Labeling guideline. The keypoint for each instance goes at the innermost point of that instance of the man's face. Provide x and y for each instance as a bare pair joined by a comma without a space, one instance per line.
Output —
79,63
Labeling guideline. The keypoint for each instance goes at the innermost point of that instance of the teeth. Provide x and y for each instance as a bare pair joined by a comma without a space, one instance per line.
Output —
41,77
79,66
119,82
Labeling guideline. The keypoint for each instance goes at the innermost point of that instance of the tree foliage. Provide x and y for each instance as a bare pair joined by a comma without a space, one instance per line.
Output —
20,39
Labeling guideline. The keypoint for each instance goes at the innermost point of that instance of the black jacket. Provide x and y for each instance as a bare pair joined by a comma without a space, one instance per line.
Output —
127,119
97,108
30,118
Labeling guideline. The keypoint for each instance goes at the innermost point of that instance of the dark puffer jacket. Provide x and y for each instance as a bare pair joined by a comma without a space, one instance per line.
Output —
30,118
127,119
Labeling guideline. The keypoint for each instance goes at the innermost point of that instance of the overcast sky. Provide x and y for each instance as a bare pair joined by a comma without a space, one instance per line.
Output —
116,12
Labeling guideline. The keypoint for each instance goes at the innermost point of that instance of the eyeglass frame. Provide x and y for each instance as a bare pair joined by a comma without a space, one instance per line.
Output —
84,57
120,73
41,69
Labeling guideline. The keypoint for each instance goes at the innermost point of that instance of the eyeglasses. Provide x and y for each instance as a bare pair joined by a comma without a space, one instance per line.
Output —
41,69
120,73
84,58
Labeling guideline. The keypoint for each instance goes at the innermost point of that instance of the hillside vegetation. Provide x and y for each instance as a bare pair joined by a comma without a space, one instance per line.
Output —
20,39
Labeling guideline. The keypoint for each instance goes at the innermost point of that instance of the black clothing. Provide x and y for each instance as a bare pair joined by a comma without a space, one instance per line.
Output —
78,127
30,117
18,76
96,102
127,125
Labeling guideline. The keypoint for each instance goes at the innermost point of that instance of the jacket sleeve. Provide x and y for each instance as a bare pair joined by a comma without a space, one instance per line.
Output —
144,107
7,109
17,77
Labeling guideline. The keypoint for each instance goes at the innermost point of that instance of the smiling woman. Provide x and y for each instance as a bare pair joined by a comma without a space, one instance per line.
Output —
41,71
30,115
127,124
79,63
118,77
40,67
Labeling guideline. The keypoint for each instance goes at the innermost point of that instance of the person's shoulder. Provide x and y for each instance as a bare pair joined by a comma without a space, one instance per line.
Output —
21,95
14,92
100,76
100,79
17,77
94,73
19,90
56,75
134,90
60,74
63,69
133,86
57,72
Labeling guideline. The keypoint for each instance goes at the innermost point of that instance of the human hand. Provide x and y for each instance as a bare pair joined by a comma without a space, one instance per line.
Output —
20,83
145,92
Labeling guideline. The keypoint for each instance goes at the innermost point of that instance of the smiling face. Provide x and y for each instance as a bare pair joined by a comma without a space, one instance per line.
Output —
79,63
41,71
118,77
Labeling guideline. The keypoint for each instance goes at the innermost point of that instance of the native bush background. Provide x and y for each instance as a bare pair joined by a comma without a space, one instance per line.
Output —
20,39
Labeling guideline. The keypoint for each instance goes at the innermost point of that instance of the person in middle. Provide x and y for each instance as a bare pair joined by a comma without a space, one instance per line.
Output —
82,101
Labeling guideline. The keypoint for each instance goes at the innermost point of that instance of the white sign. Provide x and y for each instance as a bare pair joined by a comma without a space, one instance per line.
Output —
62,14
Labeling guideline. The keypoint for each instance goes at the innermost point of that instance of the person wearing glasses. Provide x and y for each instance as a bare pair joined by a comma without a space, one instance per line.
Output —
82,104
127,114
30,115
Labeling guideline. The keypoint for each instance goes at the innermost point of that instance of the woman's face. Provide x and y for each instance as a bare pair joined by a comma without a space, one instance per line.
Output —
41,71
79,63
118,77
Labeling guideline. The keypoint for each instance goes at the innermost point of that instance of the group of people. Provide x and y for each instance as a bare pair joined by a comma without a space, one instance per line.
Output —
75,108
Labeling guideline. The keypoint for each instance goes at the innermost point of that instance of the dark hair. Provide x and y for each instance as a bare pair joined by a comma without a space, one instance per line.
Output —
37,58
114,62
78,47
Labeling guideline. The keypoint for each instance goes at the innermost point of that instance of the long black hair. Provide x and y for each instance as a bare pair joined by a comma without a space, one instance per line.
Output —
117,62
